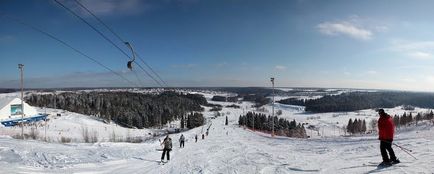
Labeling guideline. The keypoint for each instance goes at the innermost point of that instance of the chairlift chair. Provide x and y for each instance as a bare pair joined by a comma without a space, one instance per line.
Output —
130,63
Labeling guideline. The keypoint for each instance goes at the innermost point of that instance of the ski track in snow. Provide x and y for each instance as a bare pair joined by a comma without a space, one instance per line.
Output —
242,151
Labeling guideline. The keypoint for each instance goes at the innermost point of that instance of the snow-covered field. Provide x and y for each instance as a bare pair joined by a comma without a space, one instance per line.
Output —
227,149
72,126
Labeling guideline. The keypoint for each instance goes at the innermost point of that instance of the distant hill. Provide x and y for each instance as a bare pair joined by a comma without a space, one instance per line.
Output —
368,100
7,90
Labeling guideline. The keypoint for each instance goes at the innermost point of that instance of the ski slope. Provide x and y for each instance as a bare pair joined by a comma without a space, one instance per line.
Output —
227,149
241,151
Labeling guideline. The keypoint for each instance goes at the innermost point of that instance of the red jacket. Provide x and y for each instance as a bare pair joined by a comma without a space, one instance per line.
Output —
386,128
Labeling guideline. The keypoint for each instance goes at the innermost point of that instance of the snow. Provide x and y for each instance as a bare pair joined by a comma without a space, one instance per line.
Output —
71,125
227,149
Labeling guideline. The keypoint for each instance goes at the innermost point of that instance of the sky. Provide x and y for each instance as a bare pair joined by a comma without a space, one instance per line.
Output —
371,44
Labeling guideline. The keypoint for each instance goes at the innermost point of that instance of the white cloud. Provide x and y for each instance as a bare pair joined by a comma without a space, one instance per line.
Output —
401,45
381,28
422,50
280,67
420,55
408,80
371,72
345,28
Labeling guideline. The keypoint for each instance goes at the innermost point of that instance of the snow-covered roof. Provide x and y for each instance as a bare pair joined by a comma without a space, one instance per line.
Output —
5,101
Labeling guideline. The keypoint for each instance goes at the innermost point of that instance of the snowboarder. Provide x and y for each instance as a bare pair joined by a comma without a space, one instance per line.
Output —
195,138
181,141
167,142
386,130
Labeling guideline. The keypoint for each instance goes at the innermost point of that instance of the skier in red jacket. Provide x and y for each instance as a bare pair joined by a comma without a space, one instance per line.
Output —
386,130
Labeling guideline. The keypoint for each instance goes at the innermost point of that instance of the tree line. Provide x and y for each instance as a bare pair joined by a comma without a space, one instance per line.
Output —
124,108
192,120
282,127
358,126
366,100
293,101
407,119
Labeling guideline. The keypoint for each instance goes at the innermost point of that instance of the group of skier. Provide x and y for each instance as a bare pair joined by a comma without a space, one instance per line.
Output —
386,131
167,145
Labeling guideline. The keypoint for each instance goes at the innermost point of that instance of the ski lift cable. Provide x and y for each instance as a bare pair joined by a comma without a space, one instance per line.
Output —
138,78
122,40
147,73
105,37
156,74
65,44
130,66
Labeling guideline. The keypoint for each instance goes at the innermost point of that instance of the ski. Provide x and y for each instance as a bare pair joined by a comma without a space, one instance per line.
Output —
384,166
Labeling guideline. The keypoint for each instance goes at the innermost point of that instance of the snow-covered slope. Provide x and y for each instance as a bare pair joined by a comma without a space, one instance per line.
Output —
227,149
238,151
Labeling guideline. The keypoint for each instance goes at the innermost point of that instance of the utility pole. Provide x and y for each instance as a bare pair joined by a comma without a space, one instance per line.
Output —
272,115
21,67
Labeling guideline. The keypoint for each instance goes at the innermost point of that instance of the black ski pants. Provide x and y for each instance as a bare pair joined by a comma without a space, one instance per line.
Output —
181,144
168,154
386,146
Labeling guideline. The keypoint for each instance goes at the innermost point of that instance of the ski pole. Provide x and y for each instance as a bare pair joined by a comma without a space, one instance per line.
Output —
403,149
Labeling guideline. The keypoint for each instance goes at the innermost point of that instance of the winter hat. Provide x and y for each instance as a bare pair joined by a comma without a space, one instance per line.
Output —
381,111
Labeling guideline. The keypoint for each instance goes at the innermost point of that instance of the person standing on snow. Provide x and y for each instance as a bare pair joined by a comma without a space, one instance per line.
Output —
167,147
181,141
195,138
386,130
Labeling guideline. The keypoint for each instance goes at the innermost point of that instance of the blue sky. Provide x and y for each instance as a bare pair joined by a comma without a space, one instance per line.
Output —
303,43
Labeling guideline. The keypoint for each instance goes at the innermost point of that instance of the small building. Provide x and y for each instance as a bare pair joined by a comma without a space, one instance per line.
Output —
10,108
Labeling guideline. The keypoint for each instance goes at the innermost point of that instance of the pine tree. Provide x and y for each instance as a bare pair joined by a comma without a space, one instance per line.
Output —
364,126
189,120
410,118
396,121
356,126
350,126
431,115
403,119
182,122
418,117
226,123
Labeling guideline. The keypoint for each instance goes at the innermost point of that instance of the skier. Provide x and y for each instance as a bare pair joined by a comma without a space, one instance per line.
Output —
167,142
386,129
181,141
203,136
195,138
